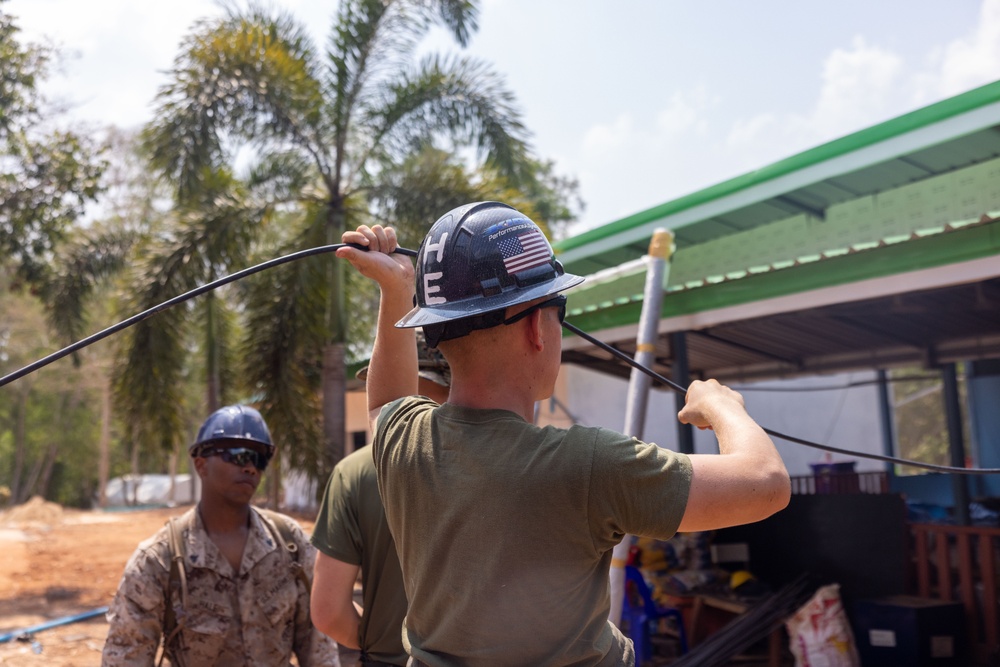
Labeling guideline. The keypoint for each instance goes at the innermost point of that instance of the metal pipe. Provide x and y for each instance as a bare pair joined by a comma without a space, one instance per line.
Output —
661,247
956,442
65,620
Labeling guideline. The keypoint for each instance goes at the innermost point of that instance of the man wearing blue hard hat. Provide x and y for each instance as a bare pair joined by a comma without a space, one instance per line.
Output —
225,583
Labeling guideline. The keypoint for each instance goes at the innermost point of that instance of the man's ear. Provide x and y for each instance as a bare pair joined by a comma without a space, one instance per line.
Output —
534,329
199,466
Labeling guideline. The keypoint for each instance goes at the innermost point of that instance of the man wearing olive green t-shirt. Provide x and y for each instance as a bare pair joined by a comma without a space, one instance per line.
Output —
504,529
351,534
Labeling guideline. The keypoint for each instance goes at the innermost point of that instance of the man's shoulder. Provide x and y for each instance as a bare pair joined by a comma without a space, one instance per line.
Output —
358,461
151,558
158,543
405,407
287,525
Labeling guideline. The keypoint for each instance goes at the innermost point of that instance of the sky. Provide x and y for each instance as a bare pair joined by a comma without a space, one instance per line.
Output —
642,101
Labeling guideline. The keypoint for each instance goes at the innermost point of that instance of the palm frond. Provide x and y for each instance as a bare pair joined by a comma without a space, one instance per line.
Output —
284,334
370,40
251,75
461,17
456,97
153,359
77,269
150,367
374,40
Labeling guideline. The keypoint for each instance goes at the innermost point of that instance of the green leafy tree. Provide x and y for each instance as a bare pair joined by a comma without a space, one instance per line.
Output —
199,244
344,119
47,175
43,417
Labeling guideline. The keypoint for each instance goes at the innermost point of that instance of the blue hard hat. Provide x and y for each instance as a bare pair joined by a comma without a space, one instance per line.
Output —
475,261
234,422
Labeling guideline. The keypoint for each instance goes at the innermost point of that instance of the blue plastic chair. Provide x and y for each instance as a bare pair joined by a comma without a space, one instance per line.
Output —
640,616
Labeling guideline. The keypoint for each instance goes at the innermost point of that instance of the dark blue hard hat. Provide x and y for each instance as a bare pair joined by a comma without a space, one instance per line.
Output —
234,422
475,261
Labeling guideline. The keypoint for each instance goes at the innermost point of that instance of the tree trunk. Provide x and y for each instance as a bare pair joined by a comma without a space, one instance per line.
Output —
19,447
132,484
67,405
334,421
334,382
47,467
172,470
104,444
213,382
274,484
28,488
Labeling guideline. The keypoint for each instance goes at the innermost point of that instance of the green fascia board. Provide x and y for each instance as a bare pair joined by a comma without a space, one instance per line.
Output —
889,129
949,247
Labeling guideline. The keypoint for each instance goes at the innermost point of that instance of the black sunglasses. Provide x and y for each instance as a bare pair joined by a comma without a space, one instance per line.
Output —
239,456
558,301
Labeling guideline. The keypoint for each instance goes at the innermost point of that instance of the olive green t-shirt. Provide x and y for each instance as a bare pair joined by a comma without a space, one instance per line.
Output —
505,530
351,528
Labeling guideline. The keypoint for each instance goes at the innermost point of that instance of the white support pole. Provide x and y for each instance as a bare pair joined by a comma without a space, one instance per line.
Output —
661,247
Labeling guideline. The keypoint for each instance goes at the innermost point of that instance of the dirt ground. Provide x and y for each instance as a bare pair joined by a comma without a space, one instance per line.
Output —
56,563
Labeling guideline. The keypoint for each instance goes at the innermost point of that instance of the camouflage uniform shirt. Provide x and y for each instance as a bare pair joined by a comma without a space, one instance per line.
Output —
257,616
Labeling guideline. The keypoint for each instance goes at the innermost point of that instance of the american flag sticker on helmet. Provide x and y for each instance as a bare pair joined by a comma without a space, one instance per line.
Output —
524,251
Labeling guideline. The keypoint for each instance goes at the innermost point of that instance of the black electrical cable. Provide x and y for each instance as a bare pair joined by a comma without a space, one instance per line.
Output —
225,280
790,438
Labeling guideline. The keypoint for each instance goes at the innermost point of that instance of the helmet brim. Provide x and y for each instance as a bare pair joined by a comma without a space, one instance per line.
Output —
457,310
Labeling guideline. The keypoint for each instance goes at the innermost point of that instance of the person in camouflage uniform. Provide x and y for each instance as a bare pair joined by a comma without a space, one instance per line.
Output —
237,599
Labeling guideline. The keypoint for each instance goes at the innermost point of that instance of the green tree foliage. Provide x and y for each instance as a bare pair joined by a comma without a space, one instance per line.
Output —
919,416
47,175
47,433
338,125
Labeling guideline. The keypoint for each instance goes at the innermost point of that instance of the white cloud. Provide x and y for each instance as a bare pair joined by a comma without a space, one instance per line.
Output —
634,164
860,83
865,83
750,130
602,139
974,60
686,112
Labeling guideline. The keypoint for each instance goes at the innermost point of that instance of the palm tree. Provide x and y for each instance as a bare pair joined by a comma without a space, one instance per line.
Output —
350,115
200,241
